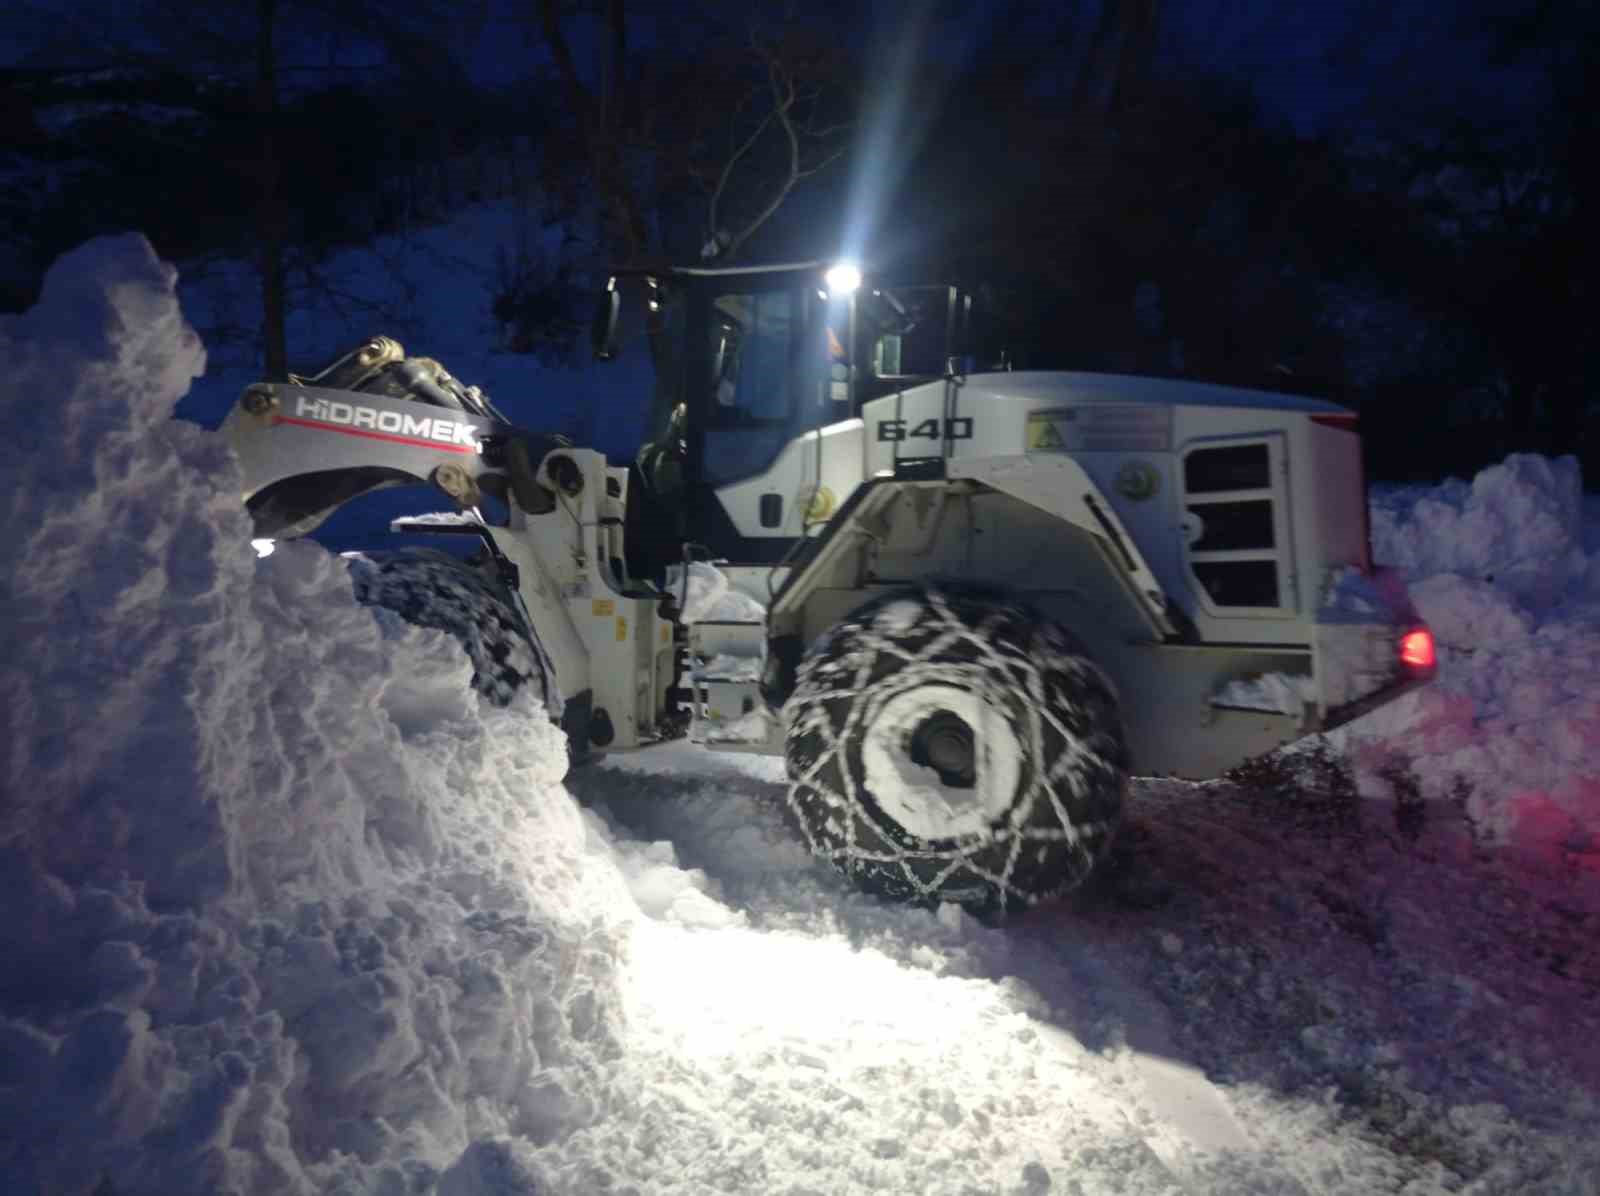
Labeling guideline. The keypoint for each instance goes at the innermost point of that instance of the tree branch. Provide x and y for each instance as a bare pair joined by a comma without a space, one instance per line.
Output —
822,165
611,114
600,139
783,95
727,173
582,102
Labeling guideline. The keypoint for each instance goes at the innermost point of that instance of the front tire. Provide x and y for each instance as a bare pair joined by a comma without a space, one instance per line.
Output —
435,589
946,746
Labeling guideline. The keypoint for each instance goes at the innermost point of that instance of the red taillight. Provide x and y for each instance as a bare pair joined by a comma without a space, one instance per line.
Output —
1345,421
1416,650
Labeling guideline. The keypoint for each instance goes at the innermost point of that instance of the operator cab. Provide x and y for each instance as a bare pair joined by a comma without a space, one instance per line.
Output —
743,363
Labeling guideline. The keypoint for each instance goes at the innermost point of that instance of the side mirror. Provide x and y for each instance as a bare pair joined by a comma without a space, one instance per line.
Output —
725,362
603,332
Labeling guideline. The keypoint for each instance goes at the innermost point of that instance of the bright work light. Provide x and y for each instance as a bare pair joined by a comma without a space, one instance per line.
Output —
842,279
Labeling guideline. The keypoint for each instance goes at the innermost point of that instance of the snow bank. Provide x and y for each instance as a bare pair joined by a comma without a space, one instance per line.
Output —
1518,526
710,597
1502,571
286,908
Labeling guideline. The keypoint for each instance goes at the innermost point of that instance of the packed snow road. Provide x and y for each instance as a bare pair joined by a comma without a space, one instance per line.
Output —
1252,1000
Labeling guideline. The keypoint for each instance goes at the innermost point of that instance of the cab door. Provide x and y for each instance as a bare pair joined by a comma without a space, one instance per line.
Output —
763,382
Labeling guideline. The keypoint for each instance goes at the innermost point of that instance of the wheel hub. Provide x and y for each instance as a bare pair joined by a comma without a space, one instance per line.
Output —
944,742
940,760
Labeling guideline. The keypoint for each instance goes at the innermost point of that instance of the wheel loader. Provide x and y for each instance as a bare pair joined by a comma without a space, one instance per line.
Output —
971,601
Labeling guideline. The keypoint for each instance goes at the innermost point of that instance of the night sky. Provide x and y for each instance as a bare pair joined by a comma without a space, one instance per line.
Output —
1318,65
1354,200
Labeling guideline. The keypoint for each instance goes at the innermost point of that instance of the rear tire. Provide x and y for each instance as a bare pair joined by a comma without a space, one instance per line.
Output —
949,746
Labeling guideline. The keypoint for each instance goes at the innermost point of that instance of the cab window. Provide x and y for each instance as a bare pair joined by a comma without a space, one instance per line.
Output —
752,357
751,354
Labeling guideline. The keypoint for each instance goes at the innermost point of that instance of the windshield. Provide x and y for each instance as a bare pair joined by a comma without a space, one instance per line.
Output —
751,346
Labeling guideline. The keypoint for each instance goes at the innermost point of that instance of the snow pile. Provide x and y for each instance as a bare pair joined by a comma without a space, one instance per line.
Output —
1510,730
287,908
1517,526
709,597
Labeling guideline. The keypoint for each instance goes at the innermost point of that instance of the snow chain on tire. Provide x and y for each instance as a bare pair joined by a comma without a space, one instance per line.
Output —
1043,829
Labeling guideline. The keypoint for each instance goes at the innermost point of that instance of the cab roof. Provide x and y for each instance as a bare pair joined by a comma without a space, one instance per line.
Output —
1129,388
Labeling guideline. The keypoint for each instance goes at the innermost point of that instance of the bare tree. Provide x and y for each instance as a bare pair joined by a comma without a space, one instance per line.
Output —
604,119
264,51
1120,53
782,130
272,219
759,106
1498,182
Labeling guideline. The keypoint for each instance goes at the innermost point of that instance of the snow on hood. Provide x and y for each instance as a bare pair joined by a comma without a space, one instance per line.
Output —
1510,730
257,938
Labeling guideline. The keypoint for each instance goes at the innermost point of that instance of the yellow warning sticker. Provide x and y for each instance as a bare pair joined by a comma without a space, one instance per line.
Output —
666,634
819,504
622,629
1101,428
603,608
1043,436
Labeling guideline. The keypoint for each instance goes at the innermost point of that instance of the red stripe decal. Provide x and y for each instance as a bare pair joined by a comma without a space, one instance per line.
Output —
389,436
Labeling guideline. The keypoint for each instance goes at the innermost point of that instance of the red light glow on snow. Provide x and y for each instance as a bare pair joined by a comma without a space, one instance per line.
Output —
1416,649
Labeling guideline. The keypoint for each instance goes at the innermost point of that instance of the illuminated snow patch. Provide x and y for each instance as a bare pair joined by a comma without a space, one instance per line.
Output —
774,1061
733,991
